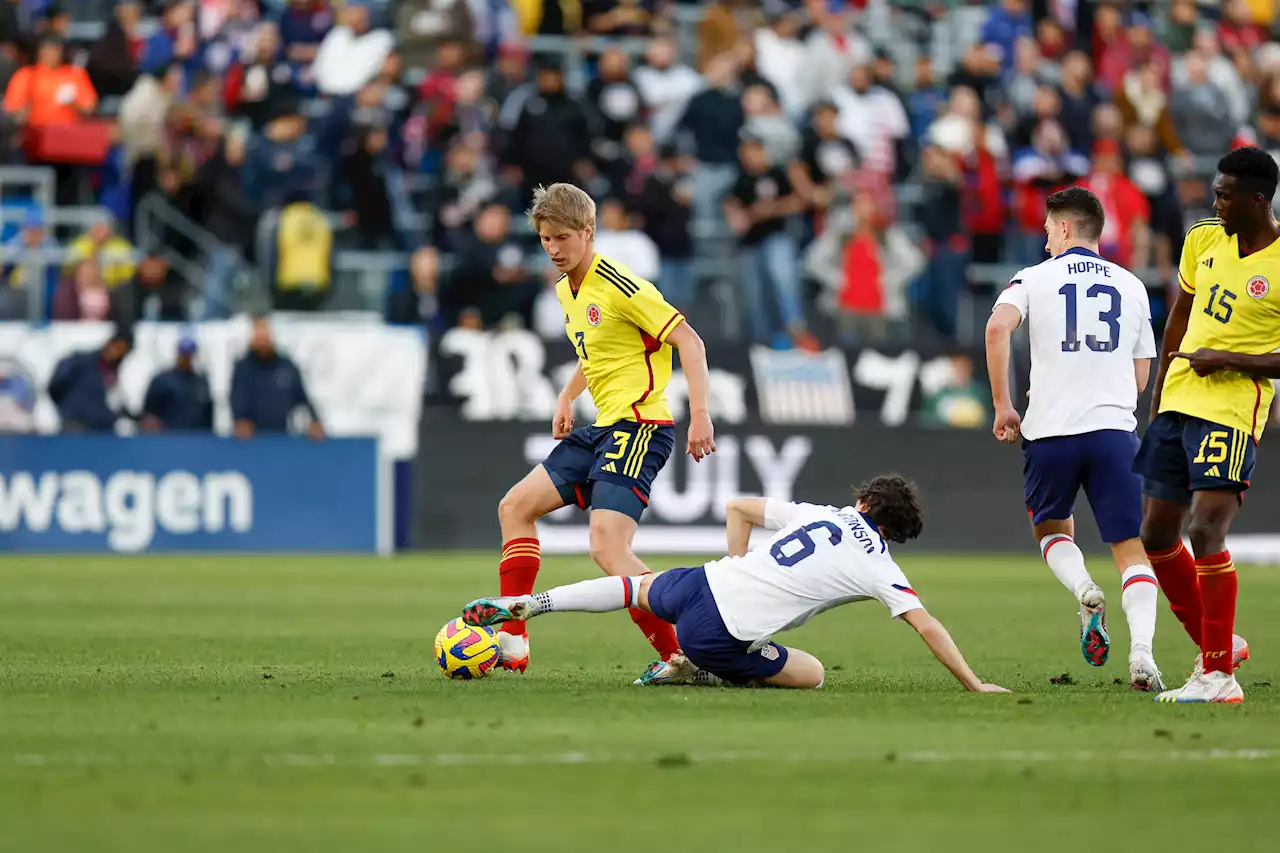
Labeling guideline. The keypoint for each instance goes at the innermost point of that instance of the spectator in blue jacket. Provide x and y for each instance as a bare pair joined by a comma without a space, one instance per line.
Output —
267,388
174,41
179,399
281,161
83,382
1009,21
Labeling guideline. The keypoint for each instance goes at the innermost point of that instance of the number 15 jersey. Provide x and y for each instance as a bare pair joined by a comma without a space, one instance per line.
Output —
820,557
1088,319
1236,309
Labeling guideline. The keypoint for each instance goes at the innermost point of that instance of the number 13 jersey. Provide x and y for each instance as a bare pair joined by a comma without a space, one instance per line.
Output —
819,558
1236,309
1088,319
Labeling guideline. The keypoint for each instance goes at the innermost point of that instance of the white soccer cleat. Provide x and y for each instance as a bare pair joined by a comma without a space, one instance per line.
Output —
677,669
515,651
1211,687
1095,643
1239,654
1144,675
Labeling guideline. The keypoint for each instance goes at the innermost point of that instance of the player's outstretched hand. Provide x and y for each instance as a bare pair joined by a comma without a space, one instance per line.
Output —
991,688
702,437
562,423
1007,426
1204,360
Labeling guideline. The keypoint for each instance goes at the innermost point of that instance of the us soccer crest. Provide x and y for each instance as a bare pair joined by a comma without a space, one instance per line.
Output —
593,314
1258,287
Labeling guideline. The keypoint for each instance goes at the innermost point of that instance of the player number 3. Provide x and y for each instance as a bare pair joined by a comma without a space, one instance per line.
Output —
807,545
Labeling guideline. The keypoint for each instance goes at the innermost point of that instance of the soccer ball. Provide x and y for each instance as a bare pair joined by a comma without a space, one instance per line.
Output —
466,652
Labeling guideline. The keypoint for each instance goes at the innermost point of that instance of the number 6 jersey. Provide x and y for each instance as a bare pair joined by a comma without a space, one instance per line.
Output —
820,557
1236,309
1088,319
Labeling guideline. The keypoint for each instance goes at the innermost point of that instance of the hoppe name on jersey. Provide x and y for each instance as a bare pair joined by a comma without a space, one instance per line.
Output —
1086,267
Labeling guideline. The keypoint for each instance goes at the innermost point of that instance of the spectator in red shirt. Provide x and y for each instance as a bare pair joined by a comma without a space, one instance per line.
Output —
1126,236
982,200
438,93
1238,30
1129,48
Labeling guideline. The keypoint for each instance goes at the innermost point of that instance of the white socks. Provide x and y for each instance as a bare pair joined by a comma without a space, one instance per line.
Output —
599,595
1139,600
1060,552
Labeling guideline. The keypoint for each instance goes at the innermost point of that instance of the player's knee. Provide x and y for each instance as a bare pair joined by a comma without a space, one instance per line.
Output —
515,507
1157,534
803,671
612,555
815,675
1207,534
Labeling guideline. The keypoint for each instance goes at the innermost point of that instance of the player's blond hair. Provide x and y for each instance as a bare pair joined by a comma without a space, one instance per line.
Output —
562,204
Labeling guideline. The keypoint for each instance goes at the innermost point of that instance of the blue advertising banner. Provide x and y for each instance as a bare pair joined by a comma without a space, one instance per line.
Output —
71,493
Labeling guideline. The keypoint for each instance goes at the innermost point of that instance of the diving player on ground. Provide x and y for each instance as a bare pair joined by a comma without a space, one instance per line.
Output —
622,330
727,611
1089,321
1210,405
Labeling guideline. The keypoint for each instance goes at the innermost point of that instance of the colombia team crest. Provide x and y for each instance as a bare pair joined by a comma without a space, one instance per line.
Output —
593,311
1258,287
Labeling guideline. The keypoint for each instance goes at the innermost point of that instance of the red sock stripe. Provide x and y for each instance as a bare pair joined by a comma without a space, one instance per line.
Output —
1215,564
1055,541
1138,579
1162,556
518,572
626,590
521,548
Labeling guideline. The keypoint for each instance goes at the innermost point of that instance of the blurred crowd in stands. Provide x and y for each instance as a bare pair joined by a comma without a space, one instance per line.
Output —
828,169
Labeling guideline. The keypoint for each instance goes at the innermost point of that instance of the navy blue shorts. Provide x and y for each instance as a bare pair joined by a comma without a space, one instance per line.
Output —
1181,454
611,467
1101,462
683,598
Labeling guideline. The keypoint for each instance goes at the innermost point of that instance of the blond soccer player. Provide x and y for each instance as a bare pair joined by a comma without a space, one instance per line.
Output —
623,332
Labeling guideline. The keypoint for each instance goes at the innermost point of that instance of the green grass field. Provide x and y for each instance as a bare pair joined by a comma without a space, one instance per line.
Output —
246,704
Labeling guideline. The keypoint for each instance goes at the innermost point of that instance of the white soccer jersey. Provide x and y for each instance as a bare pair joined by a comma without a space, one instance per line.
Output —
1088,319
820,557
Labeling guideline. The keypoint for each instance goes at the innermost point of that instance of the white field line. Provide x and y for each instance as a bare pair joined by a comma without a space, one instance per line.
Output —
514,759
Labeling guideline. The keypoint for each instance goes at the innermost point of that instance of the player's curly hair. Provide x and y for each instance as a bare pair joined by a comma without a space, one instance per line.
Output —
893,503
1255,171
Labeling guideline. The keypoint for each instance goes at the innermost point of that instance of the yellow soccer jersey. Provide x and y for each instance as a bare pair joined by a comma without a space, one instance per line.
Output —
618,323
1236,309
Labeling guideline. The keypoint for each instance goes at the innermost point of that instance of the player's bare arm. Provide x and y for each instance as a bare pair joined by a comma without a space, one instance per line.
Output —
562,424
693,359
1175,328
944,649
741,516
1141,373
1205,361
1000,326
